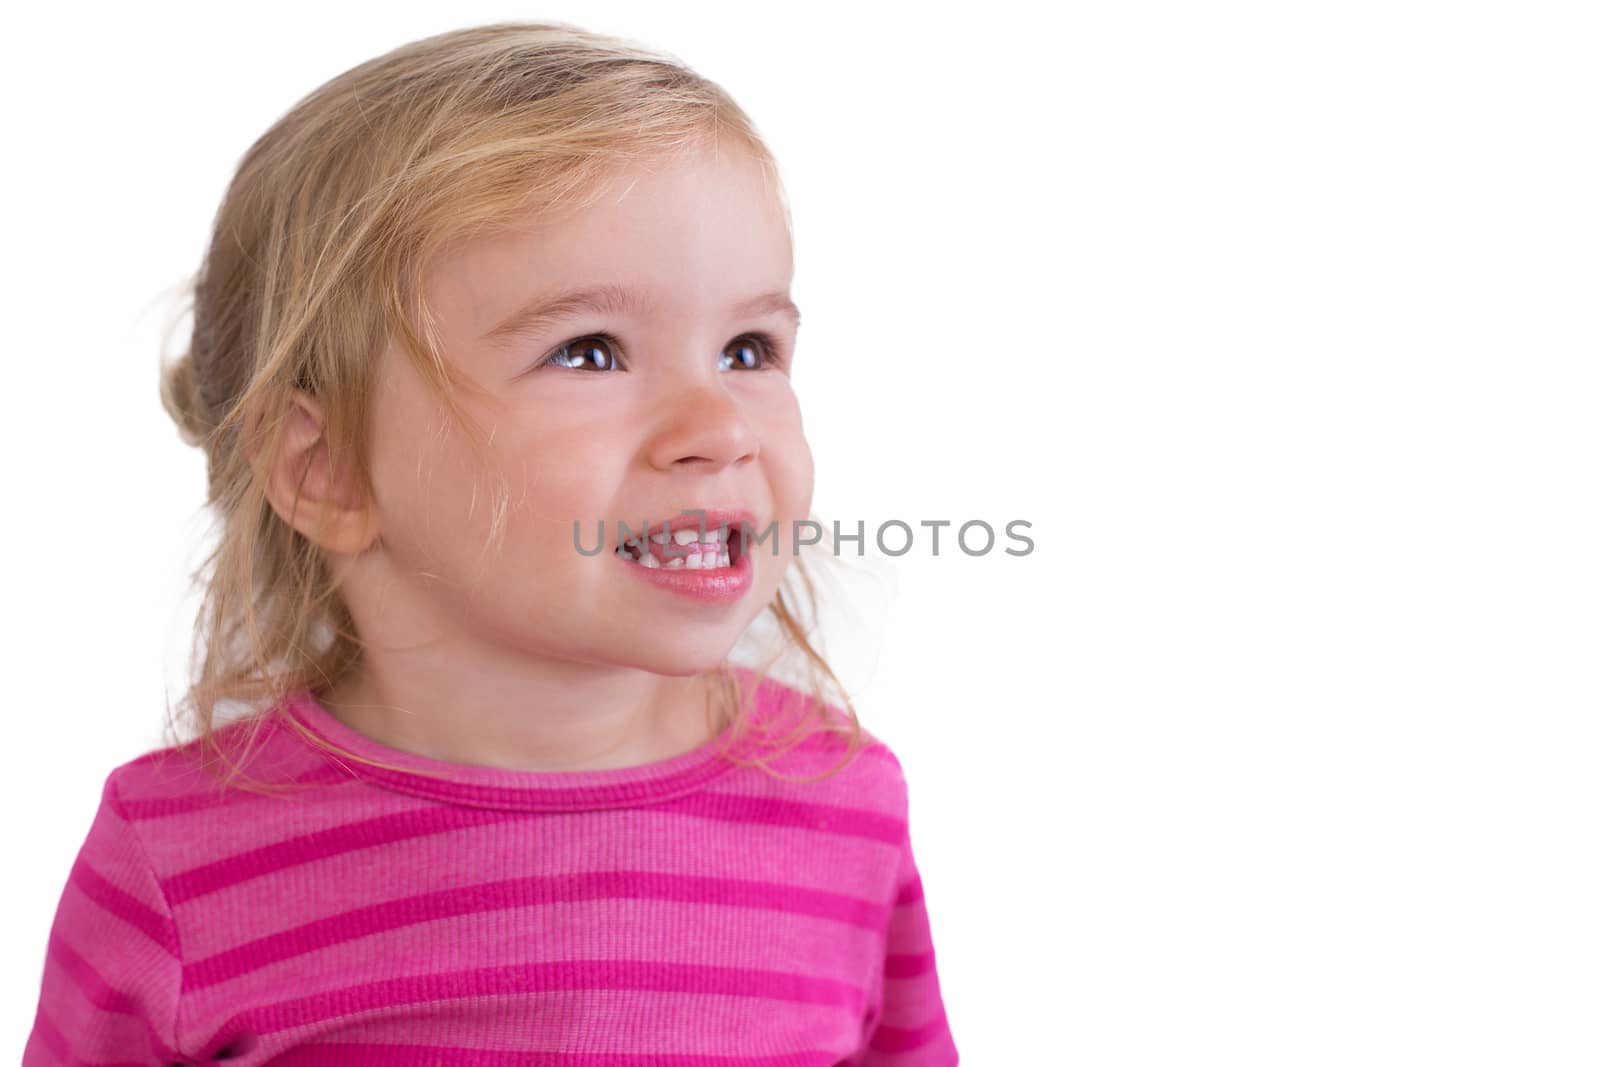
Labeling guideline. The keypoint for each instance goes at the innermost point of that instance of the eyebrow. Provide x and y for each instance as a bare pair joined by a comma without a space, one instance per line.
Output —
545,310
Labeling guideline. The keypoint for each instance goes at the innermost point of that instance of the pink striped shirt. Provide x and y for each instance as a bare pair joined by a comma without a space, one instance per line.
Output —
684,912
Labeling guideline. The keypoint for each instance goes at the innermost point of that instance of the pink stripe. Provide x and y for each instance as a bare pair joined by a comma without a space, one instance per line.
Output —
187,803
347,1055
909,893
94,988
46,1035
323,844
387,829
98,992
530,892
905,1039
519,980
908,965
155,925
771,811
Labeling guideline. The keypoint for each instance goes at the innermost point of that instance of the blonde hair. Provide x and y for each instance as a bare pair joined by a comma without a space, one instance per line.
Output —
316,261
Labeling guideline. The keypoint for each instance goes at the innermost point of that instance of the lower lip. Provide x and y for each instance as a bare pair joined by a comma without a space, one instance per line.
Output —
720,585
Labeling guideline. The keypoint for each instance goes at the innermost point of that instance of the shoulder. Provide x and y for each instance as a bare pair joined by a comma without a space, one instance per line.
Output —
836,759
250,751
182,800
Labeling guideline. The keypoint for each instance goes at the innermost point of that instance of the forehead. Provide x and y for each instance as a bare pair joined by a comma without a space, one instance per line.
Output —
694,232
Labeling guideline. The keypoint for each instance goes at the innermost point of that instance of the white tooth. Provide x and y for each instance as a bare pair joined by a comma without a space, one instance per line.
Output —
693,562
713,537
722,559
649,561
675,563
683,537
659,538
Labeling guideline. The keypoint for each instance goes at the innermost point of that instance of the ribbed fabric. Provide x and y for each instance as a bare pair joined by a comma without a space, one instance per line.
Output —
689,912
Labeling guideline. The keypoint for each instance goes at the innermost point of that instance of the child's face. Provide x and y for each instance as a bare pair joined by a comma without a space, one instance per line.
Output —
678,420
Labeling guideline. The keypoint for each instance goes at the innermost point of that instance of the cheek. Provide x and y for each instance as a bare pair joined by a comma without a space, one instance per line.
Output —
552,490
551,481
801,478
788,460
433,508
415,468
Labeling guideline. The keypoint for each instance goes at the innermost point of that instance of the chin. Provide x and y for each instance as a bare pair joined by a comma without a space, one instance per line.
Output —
682,662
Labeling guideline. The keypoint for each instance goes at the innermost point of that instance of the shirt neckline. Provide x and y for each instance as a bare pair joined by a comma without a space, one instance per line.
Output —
503,788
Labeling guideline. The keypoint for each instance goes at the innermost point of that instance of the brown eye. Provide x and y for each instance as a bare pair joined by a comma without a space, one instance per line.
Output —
585,353
753,352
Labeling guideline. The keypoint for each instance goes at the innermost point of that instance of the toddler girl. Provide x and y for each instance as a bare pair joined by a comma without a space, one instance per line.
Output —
491,366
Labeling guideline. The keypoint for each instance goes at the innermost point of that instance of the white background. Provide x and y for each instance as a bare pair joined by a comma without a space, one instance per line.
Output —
1278,323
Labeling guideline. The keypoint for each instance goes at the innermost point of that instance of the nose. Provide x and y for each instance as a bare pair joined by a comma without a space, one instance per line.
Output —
704,426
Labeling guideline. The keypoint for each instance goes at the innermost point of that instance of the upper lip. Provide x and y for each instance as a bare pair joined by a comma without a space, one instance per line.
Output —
699,519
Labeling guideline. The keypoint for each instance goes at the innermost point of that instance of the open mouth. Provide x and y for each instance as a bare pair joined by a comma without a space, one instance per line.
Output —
695,550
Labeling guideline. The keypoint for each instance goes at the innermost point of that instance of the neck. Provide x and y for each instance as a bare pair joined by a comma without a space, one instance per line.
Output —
579,718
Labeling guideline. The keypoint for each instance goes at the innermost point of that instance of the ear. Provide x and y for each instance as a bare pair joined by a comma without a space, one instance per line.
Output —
323,504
